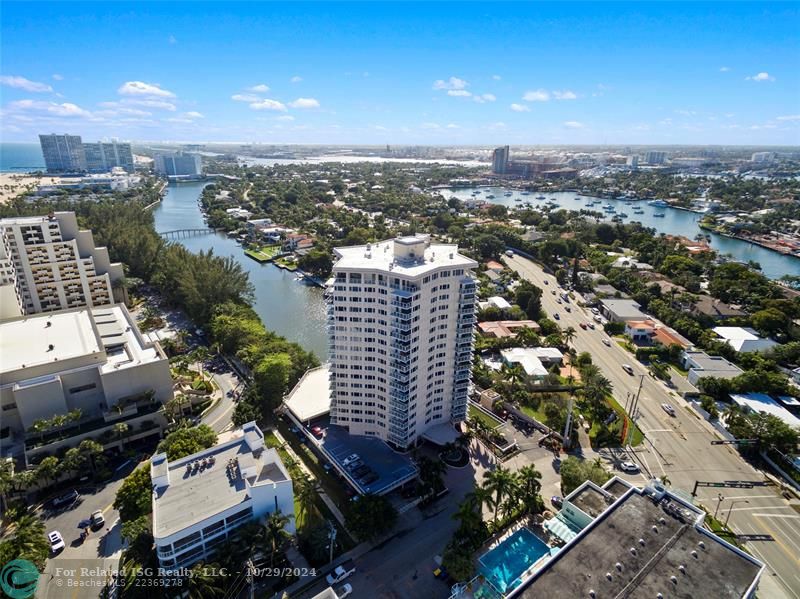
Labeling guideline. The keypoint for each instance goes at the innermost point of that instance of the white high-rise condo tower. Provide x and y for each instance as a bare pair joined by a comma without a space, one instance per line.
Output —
400,319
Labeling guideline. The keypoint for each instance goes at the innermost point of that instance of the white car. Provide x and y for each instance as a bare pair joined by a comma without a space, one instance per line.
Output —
56,541
628,368
344,590
339,574
349,459
629,467
595,311
606,342
668,409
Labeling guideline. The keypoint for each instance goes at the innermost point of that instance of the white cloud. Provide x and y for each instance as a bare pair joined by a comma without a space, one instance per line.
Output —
762,76
66,109
245,98
140,88
268,105
564,95
483,98
58,77
26,84
458,93
150,103
452,83
285,117
686,112
539,95
379,128
260,88
520,108
499,125
496,77
789,117
452,126
573,125
304,103
724,69
193,115
171,39
296,79
431,126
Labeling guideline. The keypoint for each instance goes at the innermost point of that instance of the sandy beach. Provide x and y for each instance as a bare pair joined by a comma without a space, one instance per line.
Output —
14,184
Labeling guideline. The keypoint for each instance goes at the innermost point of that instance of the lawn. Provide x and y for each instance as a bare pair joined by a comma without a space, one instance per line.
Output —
490,421
534,413
638,436
265,253
287,264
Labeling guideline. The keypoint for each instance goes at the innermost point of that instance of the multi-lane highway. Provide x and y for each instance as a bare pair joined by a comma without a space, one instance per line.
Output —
679,447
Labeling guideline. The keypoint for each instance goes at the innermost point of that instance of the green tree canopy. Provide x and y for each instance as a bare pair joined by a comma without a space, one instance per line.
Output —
186,441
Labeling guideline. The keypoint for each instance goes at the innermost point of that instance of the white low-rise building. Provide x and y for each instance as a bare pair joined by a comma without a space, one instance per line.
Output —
90,359
535,361
200,500
743,339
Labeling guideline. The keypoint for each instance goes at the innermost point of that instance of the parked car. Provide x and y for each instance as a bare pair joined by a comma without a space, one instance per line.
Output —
317,431
97,520
629,467
557,501
345,590
340,573
355,465
567,309
508,253
369,478
597,318
668,409
349,459
361,470
56,541
556,316
628,368
66,499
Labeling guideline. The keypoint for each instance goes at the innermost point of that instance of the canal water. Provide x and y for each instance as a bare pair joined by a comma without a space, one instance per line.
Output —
674,222
287,306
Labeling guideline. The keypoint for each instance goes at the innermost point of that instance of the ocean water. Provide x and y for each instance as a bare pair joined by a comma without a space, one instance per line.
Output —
20,157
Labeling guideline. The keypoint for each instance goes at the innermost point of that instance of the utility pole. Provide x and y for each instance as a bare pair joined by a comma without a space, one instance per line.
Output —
251,578
636,399
332,539
720,499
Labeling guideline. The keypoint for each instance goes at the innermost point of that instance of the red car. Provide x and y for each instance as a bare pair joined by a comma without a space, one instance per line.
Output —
317,431
582,325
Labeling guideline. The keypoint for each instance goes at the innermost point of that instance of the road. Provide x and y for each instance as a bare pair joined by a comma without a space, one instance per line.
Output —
680,447
80,570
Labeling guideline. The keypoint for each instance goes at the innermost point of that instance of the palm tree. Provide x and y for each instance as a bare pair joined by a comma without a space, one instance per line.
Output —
514,373
121,429
48,469
464,440
568,335
275,533
501,482
202,583
529,488
527,337
305,495
430,474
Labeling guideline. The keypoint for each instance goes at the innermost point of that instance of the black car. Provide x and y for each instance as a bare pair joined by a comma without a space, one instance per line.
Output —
361,470
369,478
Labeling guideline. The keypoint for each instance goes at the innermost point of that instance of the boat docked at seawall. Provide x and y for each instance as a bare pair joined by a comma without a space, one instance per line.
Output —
659,203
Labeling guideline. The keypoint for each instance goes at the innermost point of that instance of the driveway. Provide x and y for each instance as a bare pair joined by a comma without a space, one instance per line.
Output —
81,570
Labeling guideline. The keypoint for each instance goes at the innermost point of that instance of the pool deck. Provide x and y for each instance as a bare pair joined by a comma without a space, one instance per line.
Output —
533,527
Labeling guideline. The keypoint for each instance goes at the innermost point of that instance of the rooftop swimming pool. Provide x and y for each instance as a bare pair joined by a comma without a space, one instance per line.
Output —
503,565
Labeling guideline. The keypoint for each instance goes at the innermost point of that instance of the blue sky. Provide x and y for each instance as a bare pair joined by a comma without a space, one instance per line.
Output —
444,73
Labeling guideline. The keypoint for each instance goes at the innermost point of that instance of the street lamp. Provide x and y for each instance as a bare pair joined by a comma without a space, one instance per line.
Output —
734,502
720,499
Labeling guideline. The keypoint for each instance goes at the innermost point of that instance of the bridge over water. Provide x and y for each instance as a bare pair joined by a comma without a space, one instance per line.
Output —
183,233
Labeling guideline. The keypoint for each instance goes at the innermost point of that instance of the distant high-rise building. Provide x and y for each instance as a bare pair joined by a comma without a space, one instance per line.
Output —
178,164
633,161
401,318
47,263
653,157
63,153
763,157
500,160
101,157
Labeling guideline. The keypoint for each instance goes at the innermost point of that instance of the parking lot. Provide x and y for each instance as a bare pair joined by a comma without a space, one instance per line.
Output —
376,469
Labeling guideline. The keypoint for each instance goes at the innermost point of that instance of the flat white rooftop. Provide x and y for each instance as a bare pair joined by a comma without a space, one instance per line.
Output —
192,497
47,338
761,402
384,256
311,396
106,336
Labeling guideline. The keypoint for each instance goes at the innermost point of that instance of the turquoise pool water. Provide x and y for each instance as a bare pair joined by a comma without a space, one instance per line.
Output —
503,565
